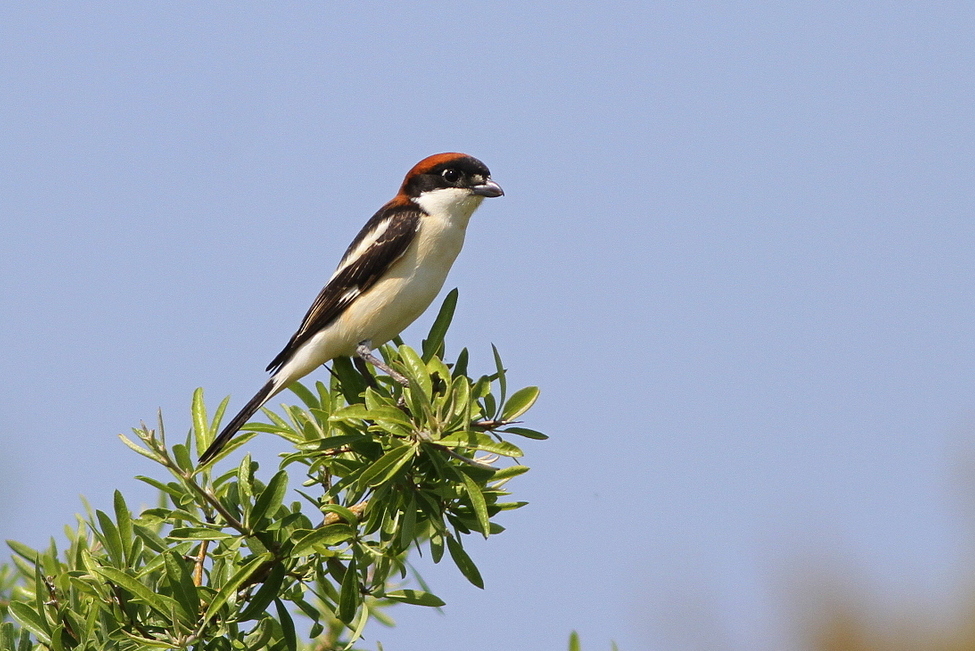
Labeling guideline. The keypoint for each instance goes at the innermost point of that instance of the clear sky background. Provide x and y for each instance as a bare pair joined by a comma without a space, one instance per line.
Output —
736,253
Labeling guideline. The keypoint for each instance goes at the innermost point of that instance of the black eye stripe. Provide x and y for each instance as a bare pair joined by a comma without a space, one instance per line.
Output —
466,168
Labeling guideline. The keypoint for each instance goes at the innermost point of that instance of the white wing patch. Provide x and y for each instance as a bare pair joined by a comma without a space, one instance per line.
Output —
350,295
367,242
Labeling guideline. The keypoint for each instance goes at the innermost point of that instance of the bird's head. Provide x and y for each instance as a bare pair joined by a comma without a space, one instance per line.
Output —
449,180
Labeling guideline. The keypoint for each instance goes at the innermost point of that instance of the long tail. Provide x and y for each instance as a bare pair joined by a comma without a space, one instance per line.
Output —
238,421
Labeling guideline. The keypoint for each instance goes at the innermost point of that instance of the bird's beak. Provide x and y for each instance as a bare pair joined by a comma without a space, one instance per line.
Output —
488,189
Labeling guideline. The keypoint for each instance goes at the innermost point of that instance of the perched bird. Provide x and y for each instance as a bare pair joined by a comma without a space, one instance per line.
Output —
389,275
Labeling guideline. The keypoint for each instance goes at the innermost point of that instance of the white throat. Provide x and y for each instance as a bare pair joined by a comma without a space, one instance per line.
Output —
456,205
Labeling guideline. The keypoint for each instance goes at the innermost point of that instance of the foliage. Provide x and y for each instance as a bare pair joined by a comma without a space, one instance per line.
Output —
225,561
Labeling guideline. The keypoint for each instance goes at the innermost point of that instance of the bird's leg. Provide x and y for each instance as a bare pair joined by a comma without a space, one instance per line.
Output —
363,352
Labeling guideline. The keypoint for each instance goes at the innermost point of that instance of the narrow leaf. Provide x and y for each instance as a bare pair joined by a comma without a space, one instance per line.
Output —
387,465
520,402
431,345
464,562
198,533
271,498
349,598
124,520
480,441
184,591
416,371
31,620
305,395
341,511
502,382
110,536
287,625
327,536
241,438
141,450
436,547
173,489
266,594
407,524
201,425
23,550
416,597
358,628
230,588
477,501
160,603
527,433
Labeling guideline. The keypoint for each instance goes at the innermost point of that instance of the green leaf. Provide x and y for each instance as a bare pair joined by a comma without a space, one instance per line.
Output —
245,485
31,620
326,536
230,588
111,539
173,489
7,636
502,382
39,595
23,550
330,442
141,450
184,591
477,501
350,382
520,402
271,498
160,603
574,642
352,413
407,523
305,395
460,366
358,627
416,371
181,454
509,472
480,441
416,597
265,594
527,433
349,597
464,562
198,533
431,345
124,520
436,547
201,425
287,626
341,511
218,416
387,466
240,439
390,415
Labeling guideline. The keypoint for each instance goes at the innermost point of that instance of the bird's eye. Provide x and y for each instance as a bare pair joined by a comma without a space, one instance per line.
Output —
450,175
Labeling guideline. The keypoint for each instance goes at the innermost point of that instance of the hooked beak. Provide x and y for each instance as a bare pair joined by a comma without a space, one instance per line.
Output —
488,189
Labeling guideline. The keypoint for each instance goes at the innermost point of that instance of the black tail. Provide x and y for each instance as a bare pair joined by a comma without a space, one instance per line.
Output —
238,421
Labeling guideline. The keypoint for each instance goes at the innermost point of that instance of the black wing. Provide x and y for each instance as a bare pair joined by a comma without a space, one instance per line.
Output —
356,276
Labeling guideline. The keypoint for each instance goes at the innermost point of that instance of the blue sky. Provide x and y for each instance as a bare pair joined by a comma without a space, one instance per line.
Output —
735,253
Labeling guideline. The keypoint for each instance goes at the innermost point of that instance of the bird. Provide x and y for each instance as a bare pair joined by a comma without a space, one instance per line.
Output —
388,277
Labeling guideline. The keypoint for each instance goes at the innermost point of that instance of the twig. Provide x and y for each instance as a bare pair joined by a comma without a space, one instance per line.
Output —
357,509
198,569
